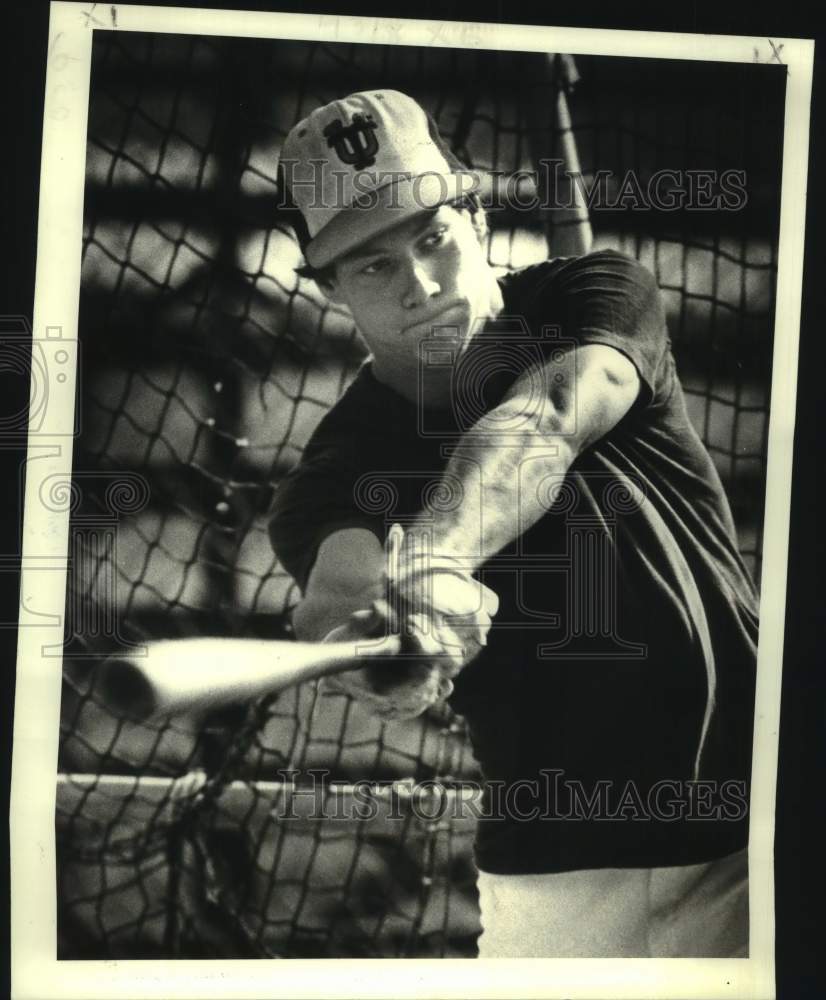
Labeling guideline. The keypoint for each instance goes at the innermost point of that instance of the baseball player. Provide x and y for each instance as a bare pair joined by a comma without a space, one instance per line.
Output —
563,567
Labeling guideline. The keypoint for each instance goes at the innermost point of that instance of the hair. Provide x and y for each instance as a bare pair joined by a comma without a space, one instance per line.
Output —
470,203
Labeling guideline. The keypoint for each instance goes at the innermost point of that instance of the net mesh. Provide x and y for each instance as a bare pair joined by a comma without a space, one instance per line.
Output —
206,364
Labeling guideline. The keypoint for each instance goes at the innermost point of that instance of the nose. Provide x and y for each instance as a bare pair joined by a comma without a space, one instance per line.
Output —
420,285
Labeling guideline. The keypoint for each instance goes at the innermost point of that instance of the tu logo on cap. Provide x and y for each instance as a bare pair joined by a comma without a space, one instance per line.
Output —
355,144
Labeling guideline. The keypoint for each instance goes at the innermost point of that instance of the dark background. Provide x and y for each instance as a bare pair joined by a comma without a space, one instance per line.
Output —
800,812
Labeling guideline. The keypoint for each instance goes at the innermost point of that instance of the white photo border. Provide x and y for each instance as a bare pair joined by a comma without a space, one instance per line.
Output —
36,973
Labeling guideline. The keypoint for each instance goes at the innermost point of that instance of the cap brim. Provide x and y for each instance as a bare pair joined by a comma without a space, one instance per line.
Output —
383,209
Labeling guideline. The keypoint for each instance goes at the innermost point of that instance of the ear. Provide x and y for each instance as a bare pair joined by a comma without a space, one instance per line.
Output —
325,279
331,289
329,285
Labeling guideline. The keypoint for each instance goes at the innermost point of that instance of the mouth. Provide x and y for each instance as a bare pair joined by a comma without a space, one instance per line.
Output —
454,314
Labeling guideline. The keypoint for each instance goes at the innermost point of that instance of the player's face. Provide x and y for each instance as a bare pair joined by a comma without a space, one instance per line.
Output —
429,271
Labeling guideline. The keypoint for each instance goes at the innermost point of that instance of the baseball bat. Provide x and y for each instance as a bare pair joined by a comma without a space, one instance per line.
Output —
178,675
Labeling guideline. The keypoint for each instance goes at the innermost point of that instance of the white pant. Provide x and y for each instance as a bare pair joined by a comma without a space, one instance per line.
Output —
696,911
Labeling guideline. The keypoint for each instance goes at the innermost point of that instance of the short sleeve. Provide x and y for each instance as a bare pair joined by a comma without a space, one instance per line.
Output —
606,298
314,500
318,496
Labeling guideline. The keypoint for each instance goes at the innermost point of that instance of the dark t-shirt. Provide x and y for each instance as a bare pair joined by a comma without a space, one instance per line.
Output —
611,711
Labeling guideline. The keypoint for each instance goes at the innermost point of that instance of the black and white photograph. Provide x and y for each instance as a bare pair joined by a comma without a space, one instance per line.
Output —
407,506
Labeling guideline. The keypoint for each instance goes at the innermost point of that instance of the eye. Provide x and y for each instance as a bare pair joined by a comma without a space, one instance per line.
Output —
373,267
436,237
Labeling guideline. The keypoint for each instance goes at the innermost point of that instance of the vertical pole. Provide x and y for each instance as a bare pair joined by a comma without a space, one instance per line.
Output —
562,201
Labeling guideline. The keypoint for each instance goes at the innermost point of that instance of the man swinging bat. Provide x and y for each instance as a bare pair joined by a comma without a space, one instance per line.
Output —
566,573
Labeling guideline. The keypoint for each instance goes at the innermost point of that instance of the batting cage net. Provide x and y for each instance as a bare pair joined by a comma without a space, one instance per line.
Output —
206,362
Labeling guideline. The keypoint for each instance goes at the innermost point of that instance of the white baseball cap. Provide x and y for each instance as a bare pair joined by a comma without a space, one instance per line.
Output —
360,165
